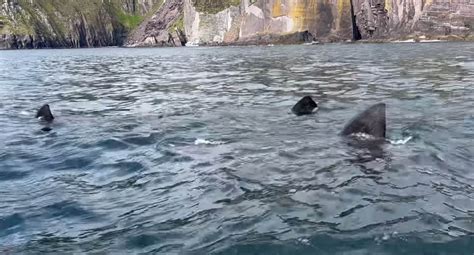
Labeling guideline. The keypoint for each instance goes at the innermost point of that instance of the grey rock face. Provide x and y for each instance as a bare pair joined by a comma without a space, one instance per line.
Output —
162,29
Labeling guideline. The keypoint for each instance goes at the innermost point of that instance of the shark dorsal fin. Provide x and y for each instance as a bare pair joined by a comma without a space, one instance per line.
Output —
371,122
306,105
44,113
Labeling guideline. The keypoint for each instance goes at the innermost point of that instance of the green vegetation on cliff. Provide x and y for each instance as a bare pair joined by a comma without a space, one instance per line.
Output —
3,24
177,25
71,23
129,21
134,19
212,6
90,10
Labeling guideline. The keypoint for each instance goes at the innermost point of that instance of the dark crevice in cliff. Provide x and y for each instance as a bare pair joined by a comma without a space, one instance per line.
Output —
355,29
134,6
182,37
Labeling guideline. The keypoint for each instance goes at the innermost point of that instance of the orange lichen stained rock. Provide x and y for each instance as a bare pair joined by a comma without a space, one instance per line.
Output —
343,15
303,13
276,9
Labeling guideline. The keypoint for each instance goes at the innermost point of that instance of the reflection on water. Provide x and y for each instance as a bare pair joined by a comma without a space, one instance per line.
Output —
196,151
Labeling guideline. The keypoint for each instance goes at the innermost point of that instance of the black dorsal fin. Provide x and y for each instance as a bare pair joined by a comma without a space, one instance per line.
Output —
306,105
44,113
371,122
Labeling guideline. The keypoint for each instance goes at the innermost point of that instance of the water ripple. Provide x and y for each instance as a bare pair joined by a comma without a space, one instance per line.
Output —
195,151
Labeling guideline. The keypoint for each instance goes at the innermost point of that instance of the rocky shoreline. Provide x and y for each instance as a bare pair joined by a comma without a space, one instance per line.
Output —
287,40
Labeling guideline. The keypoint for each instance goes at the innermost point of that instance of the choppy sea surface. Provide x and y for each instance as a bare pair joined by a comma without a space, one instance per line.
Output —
195,151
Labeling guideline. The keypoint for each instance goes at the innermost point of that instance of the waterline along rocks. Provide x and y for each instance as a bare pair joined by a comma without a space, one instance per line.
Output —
139,23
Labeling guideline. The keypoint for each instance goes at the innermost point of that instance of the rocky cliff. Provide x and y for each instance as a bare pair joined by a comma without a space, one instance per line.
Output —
327,20
268,19
88,23
70,23
443,19
164,28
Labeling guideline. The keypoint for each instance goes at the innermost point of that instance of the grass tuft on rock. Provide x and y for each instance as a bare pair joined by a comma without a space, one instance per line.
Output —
213,6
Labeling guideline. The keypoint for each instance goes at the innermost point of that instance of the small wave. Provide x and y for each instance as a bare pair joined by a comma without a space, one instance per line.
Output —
404,41
304,241
200,141
432,41
364,136
401,141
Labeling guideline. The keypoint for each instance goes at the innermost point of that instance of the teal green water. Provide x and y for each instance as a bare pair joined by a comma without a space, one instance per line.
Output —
195,151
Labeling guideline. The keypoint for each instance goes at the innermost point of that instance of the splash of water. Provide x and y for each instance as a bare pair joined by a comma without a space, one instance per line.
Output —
401,141
200,141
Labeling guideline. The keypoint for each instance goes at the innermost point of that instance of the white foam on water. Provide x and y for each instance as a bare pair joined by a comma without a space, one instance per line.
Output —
200,141
425,171
304,241
404,41
432,41
401,141
363,136
24,113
